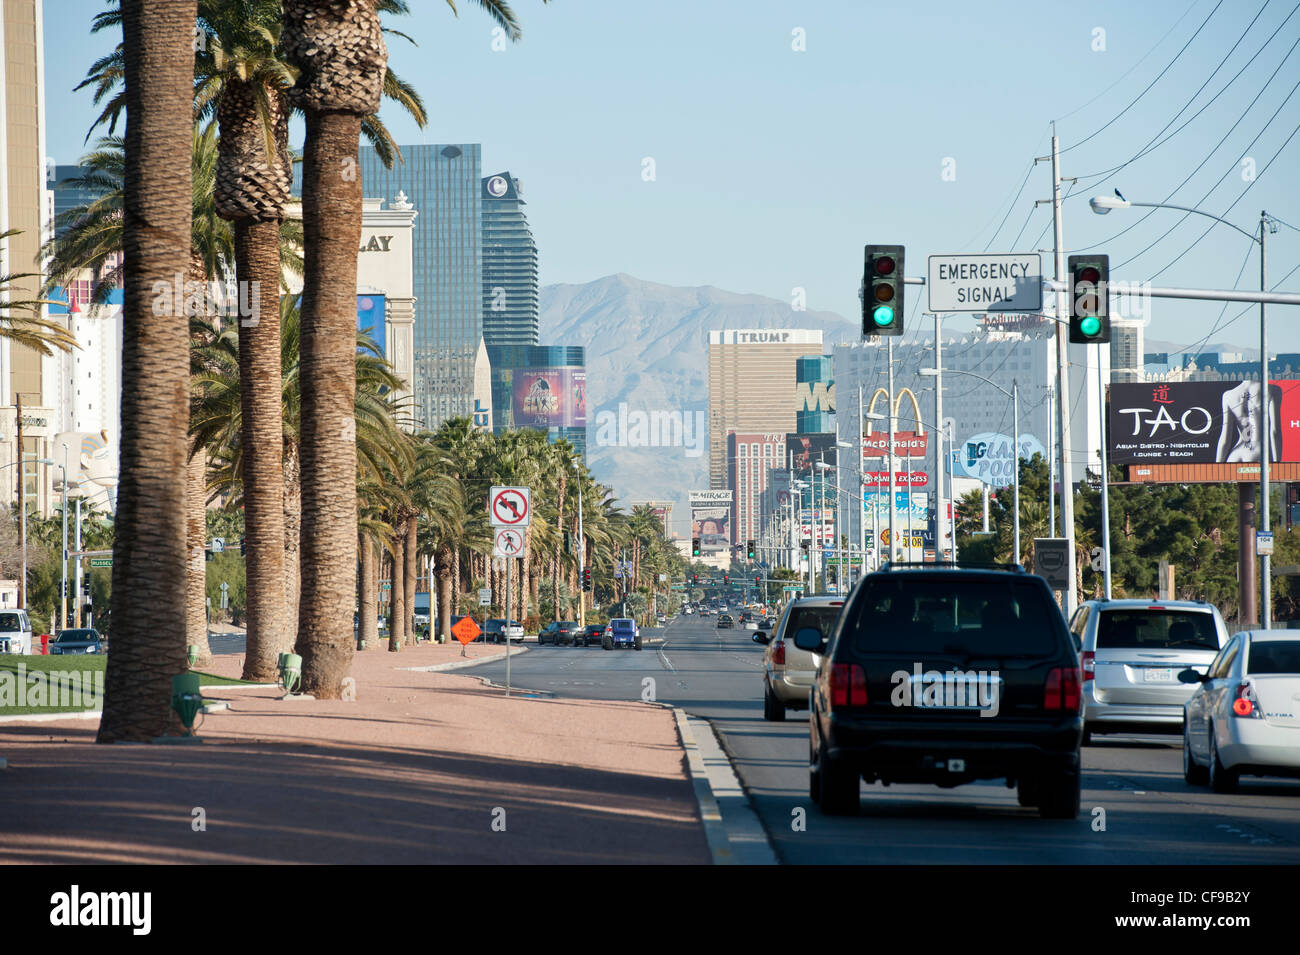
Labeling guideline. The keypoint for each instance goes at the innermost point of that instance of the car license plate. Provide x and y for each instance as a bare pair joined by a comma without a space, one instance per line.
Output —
1161,675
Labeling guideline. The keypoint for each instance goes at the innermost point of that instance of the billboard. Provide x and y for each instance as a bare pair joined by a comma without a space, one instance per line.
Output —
712,525
370,320
1202,422
805,450
553,397
987,456
907,444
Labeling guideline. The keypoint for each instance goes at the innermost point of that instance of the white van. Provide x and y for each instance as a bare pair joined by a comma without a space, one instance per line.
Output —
15,632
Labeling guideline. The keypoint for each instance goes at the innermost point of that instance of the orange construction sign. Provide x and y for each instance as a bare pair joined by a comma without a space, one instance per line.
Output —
466,631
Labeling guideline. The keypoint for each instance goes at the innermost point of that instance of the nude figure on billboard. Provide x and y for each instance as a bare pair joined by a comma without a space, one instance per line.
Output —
1239,437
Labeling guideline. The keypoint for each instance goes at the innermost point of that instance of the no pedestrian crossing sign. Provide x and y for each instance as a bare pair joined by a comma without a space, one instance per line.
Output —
1011,282
508,542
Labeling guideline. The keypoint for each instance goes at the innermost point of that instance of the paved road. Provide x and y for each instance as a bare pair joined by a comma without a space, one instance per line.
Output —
1150,815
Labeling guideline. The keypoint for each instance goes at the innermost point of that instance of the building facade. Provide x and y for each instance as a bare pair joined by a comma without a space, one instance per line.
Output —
509,265
751,458
444,183
751,383
543,387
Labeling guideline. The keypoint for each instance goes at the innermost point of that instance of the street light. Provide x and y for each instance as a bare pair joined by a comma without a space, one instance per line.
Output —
1014,395
1102,206
22,527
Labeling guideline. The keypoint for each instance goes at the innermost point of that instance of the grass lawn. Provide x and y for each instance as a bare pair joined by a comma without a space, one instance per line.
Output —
77,684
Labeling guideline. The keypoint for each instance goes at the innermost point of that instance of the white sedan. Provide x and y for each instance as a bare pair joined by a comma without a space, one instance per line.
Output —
1244,718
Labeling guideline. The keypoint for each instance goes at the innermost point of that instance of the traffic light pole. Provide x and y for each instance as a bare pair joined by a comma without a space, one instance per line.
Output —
889,460
1062,380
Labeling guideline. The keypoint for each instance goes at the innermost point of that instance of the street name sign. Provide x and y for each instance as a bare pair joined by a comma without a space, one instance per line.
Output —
1264,544
101,562
510,506
1010,282
508,542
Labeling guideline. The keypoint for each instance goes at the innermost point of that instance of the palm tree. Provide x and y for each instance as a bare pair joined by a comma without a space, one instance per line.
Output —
20,319
150,540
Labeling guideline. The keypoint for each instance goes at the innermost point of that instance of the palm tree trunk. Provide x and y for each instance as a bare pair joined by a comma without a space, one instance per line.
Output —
368,599
292,569
196,577
257,263
443,571
331,205
150,540
397,590
412,571
455,578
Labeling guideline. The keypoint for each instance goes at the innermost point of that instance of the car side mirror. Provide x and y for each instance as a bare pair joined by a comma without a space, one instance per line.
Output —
1190,675
810,639
761,637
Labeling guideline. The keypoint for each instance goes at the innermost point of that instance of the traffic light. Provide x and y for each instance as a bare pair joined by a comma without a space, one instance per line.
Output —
726,580
882,290
586,578
805,545
758,581
751,550
1088,291
85,585
695,547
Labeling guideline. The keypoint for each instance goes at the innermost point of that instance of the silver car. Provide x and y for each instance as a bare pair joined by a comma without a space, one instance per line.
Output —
788,672
1132,651
1244,715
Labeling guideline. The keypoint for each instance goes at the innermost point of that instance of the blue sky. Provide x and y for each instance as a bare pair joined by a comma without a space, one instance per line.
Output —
773,167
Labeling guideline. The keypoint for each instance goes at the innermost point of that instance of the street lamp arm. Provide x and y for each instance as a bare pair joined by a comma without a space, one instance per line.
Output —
1199,212
971,374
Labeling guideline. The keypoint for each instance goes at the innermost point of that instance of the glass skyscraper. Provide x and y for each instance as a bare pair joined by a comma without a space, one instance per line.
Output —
543,387
444,184
509,265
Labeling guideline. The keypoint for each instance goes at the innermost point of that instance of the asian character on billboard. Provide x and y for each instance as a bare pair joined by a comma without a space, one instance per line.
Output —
550,397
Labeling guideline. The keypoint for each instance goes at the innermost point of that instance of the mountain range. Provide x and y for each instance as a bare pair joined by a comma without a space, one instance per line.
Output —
647,349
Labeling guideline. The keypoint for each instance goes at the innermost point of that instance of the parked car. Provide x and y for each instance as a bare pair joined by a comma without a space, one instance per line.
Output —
15,632
622,632
1243,718
725,622
82,640
496,630
592,633
788,672
560,633
1132,651
946,675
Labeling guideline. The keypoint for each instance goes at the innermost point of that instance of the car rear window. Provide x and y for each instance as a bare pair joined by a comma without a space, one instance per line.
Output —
1274,656
820,618
623,624
902,612
75,636
1153,629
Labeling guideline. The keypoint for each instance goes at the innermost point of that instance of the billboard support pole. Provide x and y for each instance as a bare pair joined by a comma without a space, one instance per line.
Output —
1105,483
1266,433
1246,554
893,534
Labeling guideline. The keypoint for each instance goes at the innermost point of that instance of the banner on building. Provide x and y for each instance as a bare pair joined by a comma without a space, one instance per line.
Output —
1202,422
803,451
705,498
554,397
907,444
712,525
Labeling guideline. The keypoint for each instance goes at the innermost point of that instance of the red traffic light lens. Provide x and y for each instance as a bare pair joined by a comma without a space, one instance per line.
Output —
884,265
1088,274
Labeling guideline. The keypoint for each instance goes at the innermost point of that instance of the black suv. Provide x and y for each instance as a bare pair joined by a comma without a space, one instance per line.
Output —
945,674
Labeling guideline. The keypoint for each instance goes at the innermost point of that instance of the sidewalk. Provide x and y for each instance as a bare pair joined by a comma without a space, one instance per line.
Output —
418,770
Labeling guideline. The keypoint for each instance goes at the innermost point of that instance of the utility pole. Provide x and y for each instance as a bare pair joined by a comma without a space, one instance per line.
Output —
1105,483
862,511
22,507
1062,378
76,583
893,535
582,563
938,451
1051,461
1265,566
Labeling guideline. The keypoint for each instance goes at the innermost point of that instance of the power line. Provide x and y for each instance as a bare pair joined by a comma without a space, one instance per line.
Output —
1144,92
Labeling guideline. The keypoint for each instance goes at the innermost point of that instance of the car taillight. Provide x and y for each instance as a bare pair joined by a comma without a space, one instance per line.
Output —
778,652
1244,704
1089,665
1062,691
848,685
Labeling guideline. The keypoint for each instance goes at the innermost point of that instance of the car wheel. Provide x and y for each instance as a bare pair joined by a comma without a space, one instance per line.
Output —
609,645
1193,772
1222,779
773,709
838,789
1058,797
638,644
1027,792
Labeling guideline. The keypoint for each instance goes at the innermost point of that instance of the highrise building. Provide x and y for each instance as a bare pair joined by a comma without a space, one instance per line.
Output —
814,377
543,387
444,183
509,265
752,385
1126,349
750,460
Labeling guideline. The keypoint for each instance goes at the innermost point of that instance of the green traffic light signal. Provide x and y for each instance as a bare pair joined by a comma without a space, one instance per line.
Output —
883,316
1090,325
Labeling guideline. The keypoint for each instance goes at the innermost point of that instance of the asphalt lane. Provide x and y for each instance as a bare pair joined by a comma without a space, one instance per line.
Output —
1136,808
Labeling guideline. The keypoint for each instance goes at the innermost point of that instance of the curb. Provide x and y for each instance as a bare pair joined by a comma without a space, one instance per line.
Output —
52,717
460,664
739,838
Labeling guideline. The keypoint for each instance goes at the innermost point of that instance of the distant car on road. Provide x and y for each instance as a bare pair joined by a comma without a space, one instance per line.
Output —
496,631
82,640
561,633
1243,718
788,672
725,622
592,633
15,632
622,632
1131,652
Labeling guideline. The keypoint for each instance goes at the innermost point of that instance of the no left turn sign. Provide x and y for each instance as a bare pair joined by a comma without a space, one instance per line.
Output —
510,506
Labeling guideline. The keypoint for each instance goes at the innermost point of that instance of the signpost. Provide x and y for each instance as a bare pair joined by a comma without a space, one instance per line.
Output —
218,545
1052,561
485,597
509,508
1009,282
466,630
